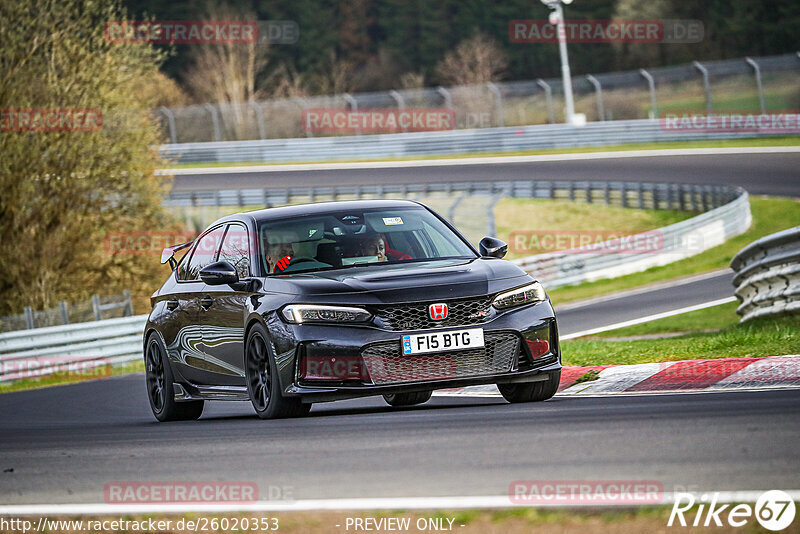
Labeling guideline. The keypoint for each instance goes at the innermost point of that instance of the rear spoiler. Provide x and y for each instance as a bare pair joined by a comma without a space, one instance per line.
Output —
167,255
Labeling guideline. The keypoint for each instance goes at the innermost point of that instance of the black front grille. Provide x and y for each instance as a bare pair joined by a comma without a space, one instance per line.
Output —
415,316
386,364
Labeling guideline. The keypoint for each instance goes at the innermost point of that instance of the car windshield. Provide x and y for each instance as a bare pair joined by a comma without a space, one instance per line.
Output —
351,238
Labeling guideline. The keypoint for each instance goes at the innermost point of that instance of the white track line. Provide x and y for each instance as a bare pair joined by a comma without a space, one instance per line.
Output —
648,318
386,503
490,160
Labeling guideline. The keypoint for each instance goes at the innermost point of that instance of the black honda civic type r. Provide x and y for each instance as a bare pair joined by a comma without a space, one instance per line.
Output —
294,305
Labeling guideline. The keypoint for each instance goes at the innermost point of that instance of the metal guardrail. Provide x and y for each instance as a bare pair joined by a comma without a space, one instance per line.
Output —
508,139
70,349
726,213
767,277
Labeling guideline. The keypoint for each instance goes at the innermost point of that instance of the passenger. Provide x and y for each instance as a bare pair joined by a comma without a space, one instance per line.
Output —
374,246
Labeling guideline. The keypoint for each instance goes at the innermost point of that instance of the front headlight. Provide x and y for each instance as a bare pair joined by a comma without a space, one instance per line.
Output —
315,313
529,294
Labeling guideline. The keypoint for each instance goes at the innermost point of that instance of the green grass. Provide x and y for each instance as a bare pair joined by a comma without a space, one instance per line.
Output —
770,215
757,338
45,381
515,216
713,318
732,143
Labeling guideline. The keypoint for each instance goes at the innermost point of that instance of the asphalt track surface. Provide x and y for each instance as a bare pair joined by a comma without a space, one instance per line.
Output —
762,174
63,444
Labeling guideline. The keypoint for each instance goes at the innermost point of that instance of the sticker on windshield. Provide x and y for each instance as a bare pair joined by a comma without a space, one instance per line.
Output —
388,221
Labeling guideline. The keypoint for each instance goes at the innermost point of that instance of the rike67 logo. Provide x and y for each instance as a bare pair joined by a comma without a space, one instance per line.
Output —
774,510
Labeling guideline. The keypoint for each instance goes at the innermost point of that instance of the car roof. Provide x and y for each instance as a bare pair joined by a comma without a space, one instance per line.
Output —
317,208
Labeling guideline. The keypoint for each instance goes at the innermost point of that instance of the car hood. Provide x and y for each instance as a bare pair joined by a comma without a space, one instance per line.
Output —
407,282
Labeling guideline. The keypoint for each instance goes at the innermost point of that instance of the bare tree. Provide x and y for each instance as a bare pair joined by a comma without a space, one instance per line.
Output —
476,60
225,74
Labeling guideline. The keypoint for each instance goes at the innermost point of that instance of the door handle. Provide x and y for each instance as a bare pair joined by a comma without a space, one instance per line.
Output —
172,304
206,302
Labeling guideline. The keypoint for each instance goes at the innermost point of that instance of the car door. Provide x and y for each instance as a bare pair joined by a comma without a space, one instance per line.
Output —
187,349
223,310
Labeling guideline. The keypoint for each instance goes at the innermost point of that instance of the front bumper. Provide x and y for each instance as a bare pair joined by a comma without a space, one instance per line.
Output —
295,344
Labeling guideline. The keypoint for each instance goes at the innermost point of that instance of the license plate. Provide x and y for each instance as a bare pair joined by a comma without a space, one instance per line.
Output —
443,341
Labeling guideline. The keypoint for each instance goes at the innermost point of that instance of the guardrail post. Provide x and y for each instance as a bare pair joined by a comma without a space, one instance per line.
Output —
651,83
29,317
498,102
64,312
170,122
98,316
353,107
607,193
706,83
128,311
262,127
623,196
598,89
214,121
757,70
641,197
548,93
301,103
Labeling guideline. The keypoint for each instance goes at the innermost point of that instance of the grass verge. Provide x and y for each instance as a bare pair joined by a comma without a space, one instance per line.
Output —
770,215
732,143
757,338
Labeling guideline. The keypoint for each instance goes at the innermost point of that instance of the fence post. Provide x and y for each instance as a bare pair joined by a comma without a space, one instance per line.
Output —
96,308
401,103
548,93
498,102
171,122
448,100
598,89
706,84
214,121
262,127
353,107
64,312
28,317
491,228
757,70
652,85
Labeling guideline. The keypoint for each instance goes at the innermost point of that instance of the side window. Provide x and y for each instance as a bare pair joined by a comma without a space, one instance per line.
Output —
203,254
236,249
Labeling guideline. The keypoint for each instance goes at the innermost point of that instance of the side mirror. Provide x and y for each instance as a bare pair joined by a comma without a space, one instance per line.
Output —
219,273
493,247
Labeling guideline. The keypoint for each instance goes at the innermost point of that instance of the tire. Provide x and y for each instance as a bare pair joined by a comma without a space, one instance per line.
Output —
532,391
159,380
263,386
408,399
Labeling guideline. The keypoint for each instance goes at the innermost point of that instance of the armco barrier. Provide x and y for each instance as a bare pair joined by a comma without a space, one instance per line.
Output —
767,277
726,213
507,139
42,351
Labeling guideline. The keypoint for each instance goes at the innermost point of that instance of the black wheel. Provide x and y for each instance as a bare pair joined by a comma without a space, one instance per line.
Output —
159,379
531,391
262,380
408,399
